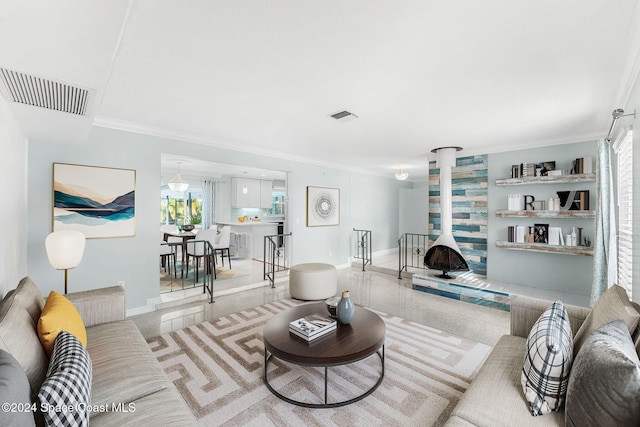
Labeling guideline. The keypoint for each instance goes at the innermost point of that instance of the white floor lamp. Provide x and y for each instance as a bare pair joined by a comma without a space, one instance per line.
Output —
65,249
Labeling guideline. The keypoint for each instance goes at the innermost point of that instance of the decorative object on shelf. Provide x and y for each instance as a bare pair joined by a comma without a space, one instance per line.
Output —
574,200
579,236
177,184
64,250
401,174
587,241
546,167
555,236
514,202
539,205
323,206
528,202
98,201
332,306
345,308
541,233
583,165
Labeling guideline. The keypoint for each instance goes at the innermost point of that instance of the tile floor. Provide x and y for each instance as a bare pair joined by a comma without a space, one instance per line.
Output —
378,288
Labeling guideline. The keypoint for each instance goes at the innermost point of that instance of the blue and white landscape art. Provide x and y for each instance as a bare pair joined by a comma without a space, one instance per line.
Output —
100,202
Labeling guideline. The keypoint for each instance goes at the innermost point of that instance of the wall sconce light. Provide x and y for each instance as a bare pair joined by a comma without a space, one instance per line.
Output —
401,174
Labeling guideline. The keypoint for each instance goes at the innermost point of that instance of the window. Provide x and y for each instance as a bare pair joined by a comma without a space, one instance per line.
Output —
172,207
623,148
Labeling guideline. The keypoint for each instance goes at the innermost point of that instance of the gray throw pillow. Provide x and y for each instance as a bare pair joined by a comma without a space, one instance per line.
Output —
547,363
604,387
15,393
614,304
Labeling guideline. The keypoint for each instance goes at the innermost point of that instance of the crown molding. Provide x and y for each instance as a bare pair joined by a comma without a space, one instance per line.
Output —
108,123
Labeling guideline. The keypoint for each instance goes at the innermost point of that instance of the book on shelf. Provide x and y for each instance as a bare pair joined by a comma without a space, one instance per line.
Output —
312,326
583,165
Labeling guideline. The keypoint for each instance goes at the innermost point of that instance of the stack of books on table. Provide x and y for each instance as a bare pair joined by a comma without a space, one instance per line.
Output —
312,326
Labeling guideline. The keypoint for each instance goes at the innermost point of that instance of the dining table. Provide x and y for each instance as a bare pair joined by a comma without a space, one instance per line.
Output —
185,236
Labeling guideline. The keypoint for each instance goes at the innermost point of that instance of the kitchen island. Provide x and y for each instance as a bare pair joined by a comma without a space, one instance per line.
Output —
249,237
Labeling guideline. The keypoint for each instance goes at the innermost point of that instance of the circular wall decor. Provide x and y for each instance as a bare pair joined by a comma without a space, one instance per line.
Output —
324,205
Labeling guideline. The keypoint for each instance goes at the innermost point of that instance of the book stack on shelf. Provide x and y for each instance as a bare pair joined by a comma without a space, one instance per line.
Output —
583,165
523,170
312,326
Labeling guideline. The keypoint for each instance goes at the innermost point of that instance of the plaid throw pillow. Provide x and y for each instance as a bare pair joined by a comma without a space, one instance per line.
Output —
545,372
66,391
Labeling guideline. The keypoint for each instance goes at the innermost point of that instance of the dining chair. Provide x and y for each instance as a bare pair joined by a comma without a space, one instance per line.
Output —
196,249
167,255
222,244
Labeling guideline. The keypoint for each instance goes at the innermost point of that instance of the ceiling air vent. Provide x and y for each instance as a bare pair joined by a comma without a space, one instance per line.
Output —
344,116
45,93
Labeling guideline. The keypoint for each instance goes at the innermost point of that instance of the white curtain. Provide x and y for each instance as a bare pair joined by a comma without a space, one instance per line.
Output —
208,203
605,257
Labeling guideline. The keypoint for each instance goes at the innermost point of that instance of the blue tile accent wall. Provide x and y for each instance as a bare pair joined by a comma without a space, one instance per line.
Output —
469,208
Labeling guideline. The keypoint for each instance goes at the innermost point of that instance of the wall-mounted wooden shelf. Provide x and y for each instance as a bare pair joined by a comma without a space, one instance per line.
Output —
578,178
503,213
541,247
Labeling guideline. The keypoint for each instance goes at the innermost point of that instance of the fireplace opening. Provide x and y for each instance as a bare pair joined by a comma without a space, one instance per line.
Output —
444,255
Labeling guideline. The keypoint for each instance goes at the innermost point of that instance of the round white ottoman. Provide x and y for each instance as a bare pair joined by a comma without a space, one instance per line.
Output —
313,281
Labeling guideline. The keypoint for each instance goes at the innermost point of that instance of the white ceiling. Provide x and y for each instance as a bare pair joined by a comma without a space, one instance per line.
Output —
263,76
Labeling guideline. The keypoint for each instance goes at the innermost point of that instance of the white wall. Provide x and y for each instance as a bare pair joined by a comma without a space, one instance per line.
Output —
365,202
414,209
13,215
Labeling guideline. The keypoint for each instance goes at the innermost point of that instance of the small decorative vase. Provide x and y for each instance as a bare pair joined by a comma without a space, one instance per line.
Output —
345,308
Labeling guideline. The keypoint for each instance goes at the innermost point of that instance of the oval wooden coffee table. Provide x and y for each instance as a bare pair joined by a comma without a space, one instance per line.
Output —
350,343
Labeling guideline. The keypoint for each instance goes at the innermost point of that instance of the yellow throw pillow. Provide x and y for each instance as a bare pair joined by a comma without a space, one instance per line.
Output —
59,314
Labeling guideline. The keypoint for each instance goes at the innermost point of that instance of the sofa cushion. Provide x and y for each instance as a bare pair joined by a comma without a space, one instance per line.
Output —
604,389
124,368
547,361
65,394
15,391
495,396
614,304
164,408
59,315
19,312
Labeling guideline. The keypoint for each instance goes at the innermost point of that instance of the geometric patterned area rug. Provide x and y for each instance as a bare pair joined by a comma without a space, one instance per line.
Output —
217,366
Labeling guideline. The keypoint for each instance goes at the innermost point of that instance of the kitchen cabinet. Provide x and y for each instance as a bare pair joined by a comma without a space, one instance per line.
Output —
250,193
266,188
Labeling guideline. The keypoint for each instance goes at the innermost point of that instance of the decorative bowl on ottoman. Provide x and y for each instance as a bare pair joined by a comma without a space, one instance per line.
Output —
188,227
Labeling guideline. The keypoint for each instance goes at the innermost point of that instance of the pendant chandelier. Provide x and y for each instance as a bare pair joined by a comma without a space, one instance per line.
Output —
401,174
177,184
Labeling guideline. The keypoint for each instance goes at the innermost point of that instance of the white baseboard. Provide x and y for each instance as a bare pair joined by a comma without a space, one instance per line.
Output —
151,303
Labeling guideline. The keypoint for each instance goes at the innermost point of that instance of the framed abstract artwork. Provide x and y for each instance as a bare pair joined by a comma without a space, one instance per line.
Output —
98,201
323,206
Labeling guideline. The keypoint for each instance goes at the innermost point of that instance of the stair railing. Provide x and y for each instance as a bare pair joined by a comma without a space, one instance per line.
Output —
276,256
362,240
411,251
209,265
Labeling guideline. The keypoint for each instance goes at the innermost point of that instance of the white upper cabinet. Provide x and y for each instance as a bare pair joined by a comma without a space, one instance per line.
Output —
250,193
